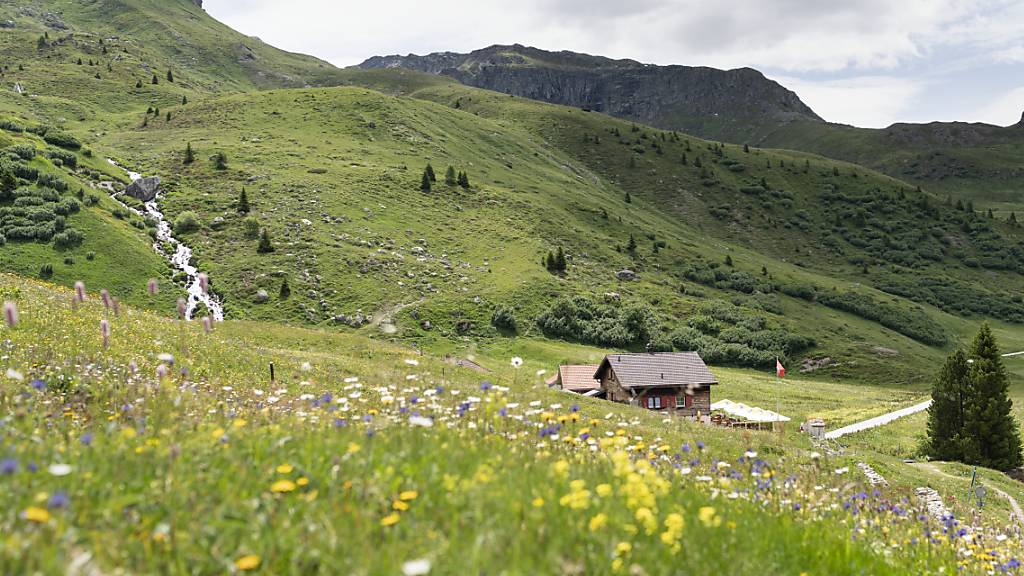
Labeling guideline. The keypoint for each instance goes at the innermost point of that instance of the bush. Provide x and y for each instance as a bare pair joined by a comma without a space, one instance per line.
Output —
62,139
23,151
912,323
11,126
52,181
252,228
68,239
580,319
66,158
46,271
504,318
186,222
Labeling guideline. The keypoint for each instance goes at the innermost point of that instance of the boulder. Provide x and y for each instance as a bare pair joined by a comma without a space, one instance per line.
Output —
144,189
625,275
261,297
6,23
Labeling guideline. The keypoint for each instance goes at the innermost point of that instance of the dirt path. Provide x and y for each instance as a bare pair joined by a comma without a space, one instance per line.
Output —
1018,513
877,420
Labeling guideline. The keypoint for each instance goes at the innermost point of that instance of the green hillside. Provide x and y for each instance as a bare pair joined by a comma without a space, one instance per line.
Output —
360,446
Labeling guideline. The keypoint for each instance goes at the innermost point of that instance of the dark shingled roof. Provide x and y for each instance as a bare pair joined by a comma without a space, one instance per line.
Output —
656,370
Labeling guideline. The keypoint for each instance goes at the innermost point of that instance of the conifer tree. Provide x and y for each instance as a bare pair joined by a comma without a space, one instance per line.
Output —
746,148
992,438
168,116
560,264
170,76
425,182
190,156
138,83
629,199
631,247
265,247
155,80
220,161
243,202
464,180
184,100
1013,218
449,176
946,414
728,260
549,262
430,173
286,290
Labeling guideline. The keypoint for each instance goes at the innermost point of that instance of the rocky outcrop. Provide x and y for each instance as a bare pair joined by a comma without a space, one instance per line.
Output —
198,3
658,95
144,189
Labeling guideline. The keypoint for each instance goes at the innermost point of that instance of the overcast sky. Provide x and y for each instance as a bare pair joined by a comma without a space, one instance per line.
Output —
863,62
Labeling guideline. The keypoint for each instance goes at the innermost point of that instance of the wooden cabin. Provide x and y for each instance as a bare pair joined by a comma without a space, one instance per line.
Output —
577,378
678,383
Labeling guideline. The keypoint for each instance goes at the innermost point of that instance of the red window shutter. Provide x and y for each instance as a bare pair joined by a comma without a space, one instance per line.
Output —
689,401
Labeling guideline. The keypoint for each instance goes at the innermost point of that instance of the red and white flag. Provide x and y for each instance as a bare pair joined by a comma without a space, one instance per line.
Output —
780,370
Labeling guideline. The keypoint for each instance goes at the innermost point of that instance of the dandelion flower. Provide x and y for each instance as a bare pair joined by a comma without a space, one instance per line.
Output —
249,562
408,495
36,514
353,448
390,519
303,481
285,469
598,522
400,506
282,486
538,502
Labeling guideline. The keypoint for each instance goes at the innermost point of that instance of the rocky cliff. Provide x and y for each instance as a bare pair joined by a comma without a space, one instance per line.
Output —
665,96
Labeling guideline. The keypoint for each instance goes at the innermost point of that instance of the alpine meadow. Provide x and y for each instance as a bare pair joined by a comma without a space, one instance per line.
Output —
504,311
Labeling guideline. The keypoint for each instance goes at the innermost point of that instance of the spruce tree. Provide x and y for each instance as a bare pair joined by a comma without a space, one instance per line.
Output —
430,172
1013,218
170,77
728,260
992,438
286,290
220,161
184,100
243,202
155,79
629,199
190,156
464,180
265,247
138,83
560,264
946,414
425,182
631,247
549,262
449,176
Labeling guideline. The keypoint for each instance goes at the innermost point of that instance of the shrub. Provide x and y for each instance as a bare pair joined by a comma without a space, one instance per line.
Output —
504,318
62,156
68,238
11,126
186,222
23,151
252,228
581,319
46,271
912,323
62,139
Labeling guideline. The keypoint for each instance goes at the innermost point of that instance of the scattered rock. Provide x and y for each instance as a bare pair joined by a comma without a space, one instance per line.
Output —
6,23
626,275
426,325
262,297
883,351
812,364
144,189
463,326
612,296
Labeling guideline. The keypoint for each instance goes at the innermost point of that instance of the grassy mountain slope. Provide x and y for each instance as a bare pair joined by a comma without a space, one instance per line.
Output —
315,474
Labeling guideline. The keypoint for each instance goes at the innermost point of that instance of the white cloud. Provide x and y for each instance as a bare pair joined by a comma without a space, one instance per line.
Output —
877,54
866,101
1003,110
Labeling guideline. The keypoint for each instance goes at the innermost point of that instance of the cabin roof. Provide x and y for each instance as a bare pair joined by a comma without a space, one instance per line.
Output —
657,370
578,377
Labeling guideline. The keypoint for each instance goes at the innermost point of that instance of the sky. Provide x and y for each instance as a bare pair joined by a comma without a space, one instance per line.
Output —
868,63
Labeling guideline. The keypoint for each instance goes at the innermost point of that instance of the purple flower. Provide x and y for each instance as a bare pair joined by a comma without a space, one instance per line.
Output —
339,422
700,445
39,385
86,439
11,314
59,499
486,385
33,467
574,408
8,466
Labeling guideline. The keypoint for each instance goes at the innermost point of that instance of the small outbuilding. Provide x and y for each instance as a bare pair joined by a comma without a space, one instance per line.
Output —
576,378
675,382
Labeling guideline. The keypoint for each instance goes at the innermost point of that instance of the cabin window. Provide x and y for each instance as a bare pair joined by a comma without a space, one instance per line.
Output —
654,402
681,401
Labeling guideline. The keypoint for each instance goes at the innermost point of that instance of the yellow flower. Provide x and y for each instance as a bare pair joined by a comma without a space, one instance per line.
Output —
399,505
616,564
302,481
353,447
408,495
129,433
36,514
390,519
282,486
560,468
604,489
708,517
238,423
250,562
216,434
623,548
538,502
285,469
598,521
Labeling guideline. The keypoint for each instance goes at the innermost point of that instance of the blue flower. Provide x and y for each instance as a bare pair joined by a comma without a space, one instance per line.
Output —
39,385
86,439
486,385
8,466
59,499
